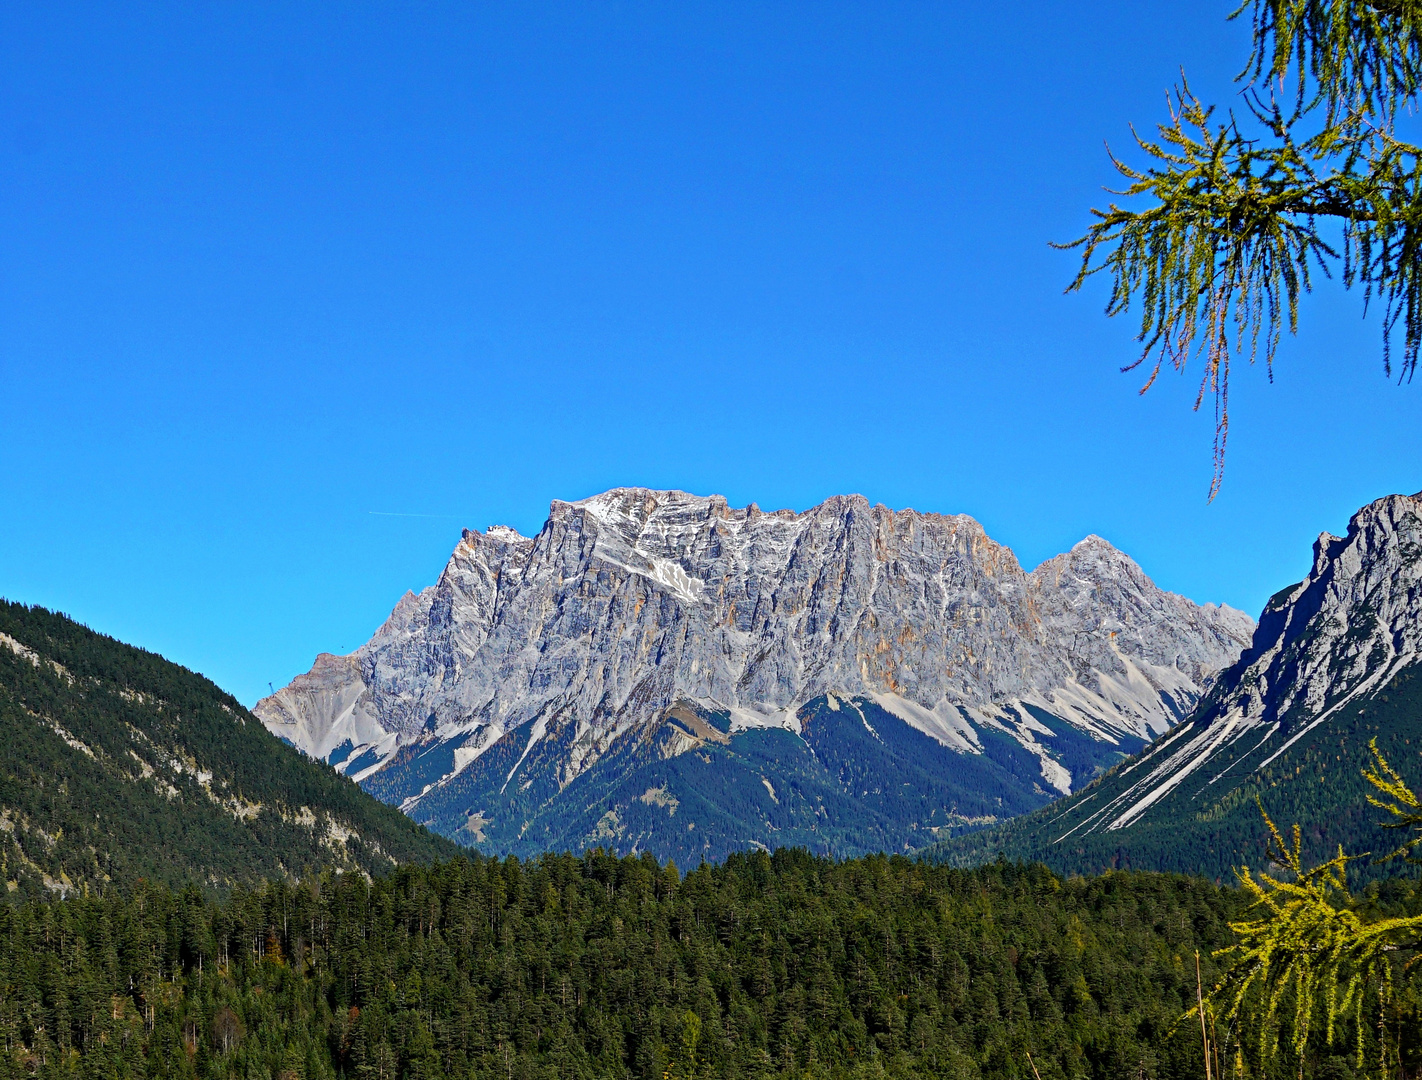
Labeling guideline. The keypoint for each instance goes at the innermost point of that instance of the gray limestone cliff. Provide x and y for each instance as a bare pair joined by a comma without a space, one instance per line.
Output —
634,601
1335,663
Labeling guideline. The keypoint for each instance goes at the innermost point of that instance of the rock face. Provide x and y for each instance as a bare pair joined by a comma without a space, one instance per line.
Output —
636,602
1341,634
1336,661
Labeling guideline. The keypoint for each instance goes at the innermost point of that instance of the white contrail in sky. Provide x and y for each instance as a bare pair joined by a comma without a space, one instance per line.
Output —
386,513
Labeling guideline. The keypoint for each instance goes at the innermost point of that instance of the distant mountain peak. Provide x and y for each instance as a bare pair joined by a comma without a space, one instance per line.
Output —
539,658
1091,540
1336,659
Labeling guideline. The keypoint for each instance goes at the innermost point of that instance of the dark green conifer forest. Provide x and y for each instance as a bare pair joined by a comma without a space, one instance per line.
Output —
597,966
118,765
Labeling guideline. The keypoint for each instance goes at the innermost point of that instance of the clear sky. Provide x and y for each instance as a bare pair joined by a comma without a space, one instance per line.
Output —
271,276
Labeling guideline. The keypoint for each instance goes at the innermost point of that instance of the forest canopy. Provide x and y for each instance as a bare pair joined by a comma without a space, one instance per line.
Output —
598,966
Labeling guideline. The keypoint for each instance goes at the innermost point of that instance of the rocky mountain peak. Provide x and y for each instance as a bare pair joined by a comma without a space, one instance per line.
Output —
503,534
632,601
1338,637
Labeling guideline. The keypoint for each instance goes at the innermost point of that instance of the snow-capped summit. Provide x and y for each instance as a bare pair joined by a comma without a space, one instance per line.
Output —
635,602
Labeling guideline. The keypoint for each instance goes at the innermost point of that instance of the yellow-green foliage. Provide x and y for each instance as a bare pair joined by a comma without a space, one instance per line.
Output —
1401,803
1235,206
1309,964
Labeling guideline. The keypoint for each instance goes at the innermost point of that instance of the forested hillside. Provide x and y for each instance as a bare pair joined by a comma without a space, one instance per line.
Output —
116,765
700,789
597,966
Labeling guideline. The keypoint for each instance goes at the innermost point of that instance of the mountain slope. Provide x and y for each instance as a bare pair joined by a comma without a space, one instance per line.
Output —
853,778
116,764
1336,660
512,702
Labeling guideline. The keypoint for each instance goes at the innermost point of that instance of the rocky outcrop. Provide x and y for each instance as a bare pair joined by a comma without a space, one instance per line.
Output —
632,601
1324,649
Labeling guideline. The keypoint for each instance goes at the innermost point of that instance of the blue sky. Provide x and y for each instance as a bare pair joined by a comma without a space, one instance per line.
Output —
272,275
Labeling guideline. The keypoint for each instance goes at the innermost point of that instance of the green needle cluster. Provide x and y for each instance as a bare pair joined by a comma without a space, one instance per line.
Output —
1240,210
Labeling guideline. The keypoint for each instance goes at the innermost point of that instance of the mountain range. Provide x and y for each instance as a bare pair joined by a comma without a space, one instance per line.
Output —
1335,662
657,671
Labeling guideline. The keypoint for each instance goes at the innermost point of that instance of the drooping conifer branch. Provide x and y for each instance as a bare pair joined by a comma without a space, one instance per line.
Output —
1309,964
1239,212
